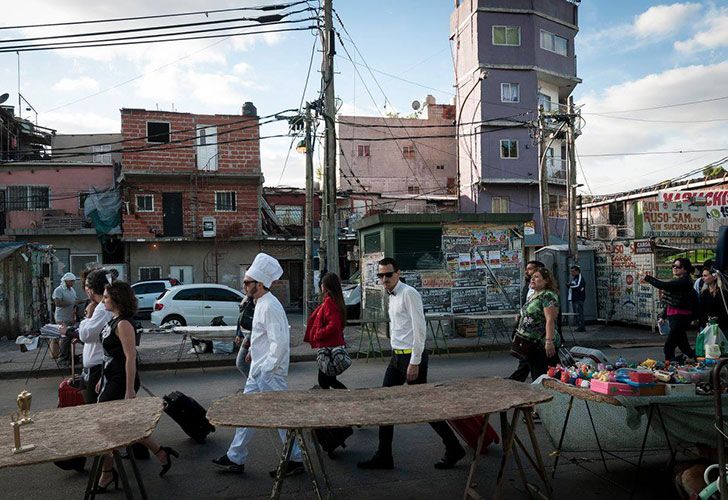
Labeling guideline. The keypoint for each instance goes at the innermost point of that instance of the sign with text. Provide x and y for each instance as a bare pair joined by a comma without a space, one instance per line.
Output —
673,219
716,200
436,300
469,300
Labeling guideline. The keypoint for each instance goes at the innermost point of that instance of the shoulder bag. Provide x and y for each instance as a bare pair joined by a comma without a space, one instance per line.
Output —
333,361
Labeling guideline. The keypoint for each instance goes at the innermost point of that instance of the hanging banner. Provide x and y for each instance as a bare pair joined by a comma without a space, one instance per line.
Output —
716,200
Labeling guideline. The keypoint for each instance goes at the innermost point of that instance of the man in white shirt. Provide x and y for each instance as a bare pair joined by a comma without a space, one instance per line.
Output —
269,357
407,328
65,300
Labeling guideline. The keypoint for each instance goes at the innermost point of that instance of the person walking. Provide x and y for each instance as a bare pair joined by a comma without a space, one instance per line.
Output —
537,328
269,356
65,300
680,301
713,300
408,363
242,334
325,326
120,378
577,296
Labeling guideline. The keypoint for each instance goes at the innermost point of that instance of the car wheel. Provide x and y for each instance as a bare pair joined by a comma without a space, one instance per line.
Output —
174,320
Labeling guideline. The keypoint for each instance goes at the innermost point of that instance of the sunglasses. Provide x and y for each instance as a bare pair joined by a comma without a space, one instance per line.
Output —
388,275
250,282
674,266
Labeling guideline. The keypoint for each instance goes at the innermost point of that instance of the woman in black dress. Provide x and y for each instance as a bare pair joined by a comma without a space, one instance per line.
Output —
120,379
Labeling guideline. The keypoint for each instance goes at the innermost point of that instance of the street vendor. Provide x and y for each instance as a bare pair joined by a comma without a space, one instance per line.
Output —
408,363
680,306
269,356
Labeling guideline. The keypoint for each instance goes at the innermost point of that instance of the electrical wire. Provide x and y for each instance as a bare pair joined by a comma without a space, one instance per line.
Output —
675,105
645,120
206,13
141,42
641,153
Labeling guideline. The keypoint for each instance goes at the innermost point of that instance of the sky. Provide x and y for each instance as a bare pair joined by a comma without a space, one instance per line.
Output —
631,55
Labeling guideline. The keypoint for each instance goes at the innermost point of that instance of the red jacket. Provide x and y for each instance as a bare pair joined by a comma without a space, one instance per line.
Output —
325,327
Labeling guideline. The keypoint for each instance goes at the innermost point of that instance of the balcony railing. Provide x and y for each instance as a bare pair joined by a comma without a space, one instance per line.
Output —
556,170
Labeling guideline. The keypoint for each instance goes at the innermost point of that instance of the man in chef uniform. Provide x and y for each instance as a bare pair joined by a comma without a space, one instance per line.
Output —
268,357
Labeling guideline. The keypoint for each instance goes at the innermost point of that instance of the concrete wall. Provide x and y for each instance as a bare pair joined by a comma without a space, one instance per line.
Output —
65,182
64,145
386,170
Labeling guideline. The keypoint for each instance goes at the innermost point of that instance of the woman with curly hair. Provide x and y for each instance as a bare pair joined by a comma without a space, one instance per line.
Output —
120,379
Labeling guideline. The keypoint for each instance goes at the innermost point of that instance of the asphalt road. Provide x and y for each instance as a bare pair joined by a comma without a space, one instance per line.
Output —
416,447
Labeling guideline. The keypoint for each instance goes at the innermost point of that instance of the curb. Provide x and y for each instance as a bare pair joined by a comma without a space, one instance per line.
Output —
186,364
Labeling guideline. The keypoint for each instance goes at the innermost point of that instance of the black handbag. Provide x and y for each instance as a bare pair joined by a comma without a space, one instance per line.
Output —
522,347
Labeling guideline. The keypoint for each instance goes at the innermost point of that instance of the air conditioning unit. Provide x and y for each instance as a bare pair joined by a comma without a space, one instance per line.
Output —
603,232
209,227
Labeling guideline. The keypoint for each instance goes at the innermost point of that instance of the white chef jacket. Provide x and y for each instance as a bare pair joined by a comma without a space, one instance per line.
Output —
89,332
407,326
270,338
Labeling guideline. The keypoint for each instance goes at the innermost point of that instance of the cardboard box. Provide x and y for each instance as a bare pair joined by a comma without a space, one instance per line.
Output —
614,388
653,390
679,389
468,330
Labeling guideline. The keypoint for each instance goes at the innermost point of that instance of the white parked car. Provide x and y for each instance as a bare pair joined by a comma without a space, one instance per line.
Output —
148,291
196,305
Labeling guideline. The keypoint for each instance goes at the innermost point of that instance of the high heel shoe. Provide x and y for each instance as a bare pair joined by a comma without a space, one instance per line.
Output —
170,453
114,479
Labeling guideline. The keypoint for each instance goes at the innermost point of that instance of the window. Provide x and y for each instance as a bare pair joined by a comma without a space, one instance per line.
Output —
362,150
221,295
150,273
544,101
27,198
440,167
207,152
158,132
507,35
145,203
82,200
557,206
290,215
553,43
408,152
225,201
190,294
143,288
102,153
413,189
510,92
509,148
499,205
373,243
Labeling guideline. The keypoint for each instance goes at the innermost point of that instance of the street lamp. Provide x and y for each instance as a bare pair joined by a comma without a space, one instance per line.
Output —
482,75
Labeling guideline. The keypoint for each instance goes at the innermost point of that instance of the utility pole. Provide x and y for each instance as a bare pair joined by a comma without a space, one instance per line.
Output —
308,228
571,180
543,178
329,226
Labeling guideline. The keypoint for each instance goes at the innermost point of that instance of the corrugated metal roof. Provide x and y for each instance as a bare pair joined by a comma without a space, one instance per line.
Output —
8,248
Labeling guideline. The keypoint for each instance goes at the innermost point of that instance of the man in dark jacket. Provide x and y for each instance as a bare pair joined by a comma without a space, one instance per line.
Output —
577,295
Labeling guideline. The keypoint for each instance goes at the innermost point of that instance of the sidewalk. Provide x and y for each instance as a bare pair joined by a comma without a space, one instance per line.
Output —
158,351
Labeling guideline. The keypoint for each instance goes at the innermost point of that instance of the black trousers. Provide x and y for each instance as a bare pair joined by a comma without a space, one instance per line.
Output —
536,364
396,374
89,391
678,336
329,382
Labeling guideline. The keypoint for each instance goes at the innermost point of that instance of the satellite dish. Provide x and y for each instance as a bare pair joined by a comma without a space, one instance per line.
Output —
4,97
416,105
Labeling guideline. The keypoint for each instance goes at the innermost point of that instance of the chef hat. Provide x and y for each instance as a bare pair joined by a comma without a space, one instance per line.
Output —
68,277
265,269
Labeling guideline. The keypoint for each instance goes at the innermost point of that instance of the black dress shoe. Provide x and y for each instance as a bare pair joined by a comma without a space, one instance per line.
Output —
450,459
377,462
292,468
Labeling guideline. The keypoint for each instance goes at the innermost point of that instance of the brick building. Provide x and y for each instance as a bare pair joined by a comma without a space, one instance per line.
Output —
191,188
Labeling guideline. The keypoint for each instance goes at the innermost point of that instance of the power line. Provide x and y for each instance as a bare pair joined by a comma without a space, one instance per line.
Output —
141,42
626,118
688,103
641,153
206,13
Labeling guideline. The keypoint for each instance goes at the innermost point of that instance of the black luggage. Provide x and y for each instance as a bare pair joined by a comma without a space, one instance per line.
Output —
331,438
189,415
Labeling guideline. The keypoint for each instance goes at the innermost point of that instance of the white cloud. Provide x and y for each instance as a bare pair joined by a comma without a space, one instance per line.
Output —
81,123
714,34
607,134
82,84
661,20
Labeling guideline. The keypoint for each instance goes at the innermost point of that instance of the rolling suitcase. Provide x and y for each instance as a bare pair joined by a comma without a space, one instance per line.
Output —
469,430
189,414
70,393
